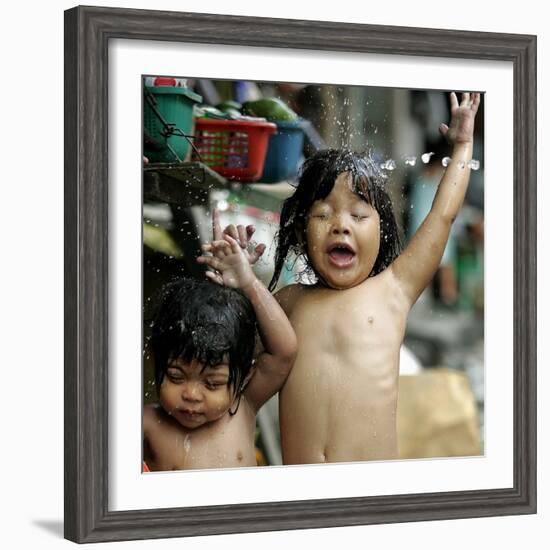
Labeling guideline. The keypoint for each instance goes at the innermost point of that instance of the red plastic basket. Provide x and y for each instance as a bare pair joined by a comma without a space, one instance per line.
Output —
236,149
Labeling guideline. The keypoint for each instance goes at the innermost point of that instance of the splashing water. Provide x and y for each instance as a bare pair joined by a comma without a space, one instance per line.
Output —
426,157
410,161
388,165
473,164
445,161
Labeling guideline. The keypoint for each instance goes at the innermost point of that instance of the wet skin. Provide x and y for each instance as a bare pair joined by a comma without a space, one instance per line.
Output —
339,401
192,427
343,236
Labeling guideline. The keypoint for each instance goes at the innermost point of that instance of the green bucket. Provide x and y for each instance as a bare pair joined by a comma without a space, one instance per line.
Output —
167,119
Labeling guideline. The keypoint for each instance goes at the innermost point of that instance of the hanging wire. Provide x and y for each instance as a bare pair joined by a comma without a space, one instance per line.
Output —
170,129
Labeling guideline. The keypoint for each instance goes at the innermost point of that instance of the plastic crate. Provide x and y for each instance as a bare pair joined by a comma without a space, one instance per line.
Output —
174,106
284,152
235,149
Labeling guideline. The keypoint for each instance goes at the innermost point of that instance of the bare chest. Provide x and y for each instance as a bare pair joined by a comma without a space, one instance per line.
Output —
351,321
227,444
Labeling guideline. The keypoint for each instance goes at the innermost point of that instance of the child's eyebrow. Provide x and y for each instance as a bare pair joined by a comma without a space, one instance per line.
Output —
217,367
217,377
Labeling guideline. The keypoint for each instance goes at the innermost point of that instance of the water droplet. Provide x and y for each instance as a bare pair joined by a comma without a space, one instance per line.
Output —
461,164
426,157
388,165
445,161
370,319
410,161
473,164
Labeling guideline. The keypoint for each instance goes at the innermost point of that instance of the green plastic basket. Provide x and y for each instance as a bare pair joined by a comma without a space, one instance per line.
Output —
167,119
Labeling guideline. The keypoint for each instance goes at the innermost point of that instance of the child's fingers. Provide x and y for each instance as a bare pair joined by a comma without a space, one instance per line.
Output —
232,231
250,230
215,277
258,251
243,241
220,249
465,99
443,129
216,227
235,247
476,100
454,101
209,249
210,261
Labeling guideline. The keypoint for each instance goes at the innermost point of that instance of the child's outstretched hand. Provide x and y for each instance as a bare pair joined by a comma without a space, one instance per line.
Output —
461,129
231,265
239,233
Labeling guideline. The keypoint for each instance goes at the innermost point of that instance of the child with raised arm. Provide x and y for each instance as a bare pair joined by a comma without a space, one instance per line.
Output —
209,386
339,402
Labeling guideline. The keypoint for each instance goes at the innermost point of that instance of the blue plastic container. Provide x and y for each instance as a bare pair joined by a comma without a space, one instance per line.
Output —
284,152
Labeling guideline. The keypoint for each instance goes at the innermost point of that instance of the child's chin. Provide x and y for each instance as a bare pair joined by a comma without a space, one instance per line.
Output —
342,286
191,425
342,283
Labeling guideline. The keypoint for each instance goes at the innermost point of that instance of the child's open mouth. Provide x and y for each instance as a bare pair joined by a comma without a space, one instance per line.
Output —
341,254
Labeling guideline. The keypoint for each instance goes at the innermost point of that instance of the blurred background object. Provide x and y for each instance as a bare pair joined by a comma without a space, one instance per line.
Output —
238,146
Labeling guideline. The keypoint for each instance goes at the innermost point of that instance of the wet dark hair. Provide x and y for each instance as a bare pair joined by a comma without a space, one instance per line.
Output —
315,181
199,319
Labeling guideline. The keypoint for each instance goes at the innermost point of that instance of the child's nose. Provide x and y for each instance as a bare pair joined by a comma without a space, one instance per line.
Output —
340,227
191,392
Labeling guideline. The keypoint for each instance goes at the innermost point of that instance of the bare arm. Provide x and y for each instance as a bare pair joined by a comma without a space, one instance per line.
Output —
417,264
276,333
148,425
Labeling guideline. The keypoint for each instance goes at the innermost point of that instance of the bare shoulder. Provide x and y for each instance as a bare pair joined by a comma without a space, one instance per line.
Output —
288,296
395,283
390,286
151,416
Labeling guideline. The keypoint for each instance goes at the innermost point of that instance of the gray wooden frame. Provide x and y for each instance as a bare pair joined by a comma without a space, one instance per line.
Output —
87,34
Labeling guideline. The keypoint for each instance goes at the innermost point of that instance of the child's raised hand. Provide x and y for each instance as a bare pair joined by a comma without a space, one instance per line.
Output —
461,129
239,233
230,263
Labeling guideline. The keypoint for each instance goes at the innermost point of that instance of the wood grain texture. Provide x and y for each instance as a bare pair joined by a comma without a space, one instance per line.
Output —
87,35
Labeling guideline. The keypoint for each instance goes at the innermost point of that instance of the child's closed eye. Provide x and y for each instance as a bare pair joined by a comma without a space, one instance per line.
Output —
357,216
215,384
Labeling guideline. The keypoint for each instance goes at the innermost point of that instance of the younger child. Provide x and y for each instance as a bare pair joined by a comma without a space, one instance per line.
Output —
339,402
209,387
